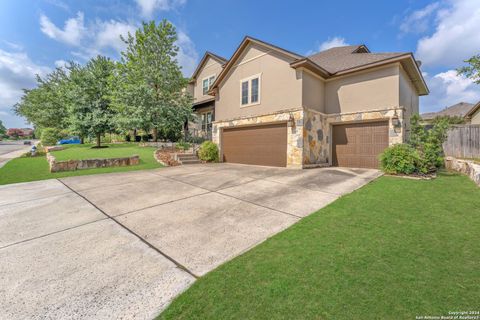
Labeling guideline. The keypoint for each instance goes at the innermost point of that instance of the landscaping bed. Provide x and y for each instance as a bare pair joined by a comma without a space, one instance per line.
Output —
394,249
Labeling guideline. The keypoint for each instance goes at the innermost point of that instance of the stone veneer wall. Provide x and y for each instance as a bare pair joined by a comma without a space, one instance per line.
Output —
317,136
72,165
294,132
468,167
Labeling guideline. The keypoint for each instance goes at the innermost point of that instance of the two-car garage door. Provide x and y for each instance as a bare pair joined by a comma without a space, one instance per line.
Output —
356,145
264,145
359,145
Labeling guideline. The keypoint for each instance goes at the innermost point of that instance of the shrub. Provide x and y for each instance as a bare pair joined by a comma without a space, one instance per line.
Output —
428,142
50,136
400,159
183,145
208,151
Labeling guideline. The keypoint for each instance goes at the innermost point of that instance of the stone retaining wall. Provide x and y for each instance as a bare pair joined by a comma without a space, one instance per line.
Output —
467,167
72,165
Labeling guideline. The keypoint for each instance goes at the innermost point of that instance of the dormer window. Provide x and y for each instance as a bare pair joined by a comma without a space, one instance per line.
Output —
250,91
207,83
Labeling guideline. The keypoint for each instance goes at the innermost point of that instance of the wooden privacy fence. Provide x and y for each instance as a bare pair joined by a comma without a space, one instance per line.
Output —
463,142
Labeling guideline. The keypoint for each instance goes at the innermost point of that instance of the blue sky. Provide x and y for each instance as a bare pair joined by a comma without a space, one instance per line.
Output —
36,36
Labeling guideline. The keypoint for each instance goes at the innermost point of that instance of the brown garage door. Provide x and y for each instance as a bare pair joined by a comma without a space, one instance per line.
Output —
264,145
358,145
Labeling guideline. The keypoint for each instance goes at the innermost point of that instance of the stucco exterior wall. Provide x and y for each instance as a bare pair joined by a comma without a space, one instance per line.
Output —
280,85
363,91
476,118
408,99
313,92
211,68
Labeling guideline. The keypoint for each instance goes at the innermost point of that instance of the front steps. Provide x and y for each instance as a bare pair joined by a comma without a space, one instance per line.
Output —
187,158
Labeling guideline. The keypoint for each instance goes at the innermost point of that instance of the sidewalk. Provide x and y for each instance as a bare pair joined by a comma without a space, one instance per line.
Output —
4,158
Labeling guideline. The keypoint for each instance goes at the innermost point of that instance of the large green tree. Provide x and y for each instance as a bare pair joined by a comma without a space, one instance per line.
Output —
46,105
90,98
150,91
472,70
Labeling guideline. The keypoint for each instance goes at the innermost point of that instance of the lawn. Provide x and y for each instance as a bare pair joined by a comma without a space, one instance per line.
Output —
394,249
30,169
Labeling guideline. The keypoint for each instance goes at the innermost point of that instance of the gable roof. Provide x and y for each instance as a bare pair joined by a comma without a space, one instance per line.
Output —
460,109
204,59
337,61
473,110
245,42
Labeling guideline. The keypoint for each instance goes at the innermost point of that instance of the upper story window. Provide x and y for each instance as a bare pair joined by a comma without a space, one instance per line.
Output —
207,83
250,91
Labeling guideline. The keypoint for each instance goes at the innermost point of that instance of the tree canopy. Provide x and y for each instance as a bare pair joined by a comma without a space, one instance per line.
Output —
90,98
46,105
144,90
150,84
472,70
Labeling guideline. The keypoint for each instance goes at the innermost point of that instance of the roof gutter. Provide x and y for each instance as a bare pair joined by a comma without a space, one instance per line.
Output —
310,65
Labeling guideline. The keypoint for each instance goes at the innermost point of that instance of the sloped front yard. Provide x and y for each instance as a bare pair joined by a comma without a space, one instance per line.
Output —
26,169
394,249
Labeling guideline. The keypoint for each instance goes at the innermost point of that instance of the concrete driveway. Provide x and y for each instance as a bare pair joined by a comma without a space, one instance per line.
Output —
123,245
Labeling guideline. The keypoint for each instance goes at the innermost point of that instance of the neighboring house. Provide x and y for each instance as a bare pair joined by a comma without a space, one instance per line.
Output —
460,110
342,106
204,104
473,116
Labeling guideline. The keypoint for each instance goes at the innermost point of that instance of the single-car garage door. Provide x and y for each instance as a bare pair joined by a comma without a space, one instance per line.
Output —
358,145
264,145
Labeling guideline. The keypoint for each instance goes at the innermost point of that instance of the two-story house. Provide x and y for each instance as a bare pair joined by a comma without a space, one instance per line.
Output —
342,106
203,103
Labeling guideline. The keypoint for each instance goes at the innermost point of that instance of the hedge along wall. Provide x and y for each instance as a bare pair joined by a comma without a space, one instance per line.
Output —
72,165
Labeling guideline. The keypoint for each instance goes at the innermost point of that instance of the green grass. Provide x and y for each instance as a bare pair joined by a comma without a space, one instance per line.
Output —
31,169
393,249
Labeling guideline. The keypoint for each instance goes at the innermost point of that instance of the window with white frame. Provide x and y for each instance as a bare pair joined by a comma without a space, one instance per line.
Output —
207,83
250,91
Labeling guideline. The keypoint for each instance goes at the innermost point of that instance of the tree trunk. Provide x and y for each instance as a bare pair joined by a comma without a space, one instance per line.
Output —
98,140
155,134
82,140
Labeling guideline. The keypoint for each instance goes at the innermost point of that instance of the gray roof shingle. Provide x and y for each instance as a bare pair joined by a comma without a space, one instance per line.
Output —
460,109
343,58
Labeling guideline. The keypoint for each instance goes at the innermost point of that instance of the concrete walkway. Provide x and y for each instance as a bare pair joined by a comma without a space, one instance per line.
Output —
123,245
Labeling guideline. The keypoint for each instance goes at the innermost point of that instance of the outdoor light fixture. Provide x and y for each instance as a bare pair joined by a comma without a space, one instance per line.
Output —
291,121
395,120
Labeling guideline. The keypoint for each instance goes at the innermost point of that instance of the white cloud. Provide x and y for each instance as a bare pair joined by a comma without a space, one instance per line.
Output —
418,21
456,36
148,7
332,43
96,38
187,55
448,88
108,34
17,72
72,33
329,43
60,63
